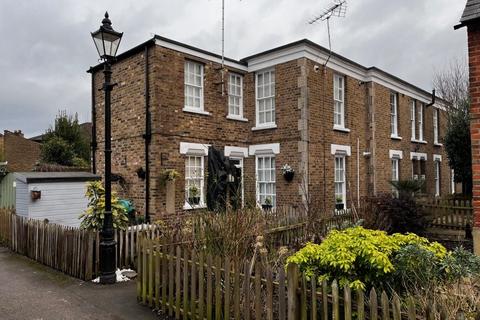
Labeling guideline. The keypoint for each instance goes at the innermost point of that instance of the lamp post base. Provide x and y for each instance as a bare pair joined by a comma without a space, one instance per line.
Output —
107,262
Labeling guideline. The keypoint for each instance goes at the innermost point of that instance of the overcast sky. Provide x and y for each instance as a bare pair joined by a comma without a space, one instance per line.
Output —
46,45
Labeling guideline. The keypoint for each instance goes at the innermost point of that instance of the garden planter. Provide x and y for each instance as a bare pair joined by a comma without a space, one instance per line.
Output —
267,207
339,206
289,176
194,200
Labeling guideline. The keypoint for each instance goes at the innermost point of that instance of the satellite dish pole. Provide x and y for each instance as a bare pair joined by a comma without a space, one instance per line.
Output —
337,9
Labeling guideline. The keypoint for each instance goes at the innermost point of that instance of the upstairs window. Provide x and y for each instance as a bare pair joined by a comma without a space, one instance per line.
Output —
265,93
420,122
193,86
435,126
394,114
413,122
235,95
339,101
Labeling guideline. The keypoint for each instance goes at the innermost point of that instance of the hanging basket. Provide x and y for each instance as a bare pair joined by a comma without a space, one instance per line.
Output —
289,175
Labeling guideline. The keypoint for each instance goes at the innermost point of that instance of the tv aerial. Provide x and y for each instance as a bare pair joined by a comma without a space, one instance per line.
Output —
338,8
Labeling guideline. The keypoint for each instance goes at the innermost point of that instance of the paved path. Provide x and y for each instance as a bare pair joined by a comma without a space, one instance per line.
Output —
29,290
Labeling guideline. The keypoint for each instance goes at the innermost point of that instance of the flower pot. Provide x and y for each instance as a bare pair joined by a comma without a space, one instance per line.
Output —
267,207
289,175
339,206
194,200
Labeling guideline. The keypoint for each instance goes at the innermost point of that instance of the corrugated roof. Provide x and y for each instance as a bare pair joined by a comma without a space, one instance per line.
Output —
56,176
471,12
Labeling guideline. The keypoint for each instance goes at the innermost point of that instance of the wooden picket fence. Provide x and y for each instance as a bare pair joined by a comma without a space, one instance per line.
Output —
70,250
185,284
449,213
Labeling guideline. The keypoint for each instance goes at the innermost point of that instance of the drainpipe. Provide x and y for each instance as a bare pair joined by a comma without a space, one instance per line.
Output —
148,137
434,98
93,142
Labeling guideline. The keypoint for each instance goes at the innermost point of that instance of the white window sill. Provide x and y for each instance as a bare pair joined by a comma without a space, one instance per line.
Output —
237,118
187,206
197,111
395,137
436,144
265,127
341,129
419,141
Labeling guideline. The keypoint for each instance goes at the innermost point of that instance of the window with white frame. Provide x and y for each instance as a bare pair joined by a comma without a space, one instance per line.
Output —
420,122
340,185
193,85
395,169
435,126
413,123
265,94
339,101
235,95
394,114
266,187
437,177
194,181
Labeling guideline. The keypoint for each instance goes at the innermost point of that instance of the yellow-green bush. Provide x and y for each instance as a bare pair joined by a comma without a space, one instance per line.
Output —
356,256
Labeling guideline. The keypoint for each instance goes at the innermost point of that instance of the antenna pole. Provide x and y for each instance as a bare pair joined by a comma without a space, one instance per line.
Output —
223,46
329,42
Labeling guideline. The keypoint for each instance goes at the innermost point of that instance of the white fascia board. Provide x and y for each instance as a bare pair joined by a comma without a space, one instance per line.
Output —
271,148
396,154
198,54
197,149
437,157
236,152
337,149
418,156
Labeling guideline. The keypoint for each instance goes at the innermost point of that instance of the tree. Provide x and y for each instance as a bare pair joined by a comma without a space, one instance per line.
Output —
452,85
66,134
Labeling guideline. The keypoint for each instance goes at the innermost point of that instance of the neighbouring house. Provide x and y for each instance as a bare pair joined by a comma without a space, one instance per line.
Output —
346,130
58,197
18,152
471,19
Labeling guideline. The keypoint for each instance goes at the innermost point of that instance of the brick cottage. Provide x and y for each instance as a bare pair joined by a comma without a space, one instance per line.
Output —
346,130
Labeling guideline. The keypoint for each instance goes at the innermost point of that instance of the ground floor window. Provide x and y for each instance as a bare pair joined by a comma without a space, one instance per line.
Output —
395,173
437,178
419,173
266,187
340,187
194,181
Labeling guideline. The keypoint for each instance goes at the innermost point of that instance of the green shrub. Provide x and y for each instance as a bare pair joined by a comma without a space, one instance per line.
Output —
461,263
356,256
92,218
57,150
394,215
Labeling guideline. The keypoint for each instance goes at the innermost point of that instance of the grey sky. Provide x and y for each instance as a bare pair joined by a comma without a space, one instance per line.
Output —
46,45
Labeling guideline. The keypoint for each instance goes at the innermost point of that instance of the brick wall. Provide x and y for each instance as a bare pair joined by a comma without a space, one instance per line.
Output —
304,118
22,154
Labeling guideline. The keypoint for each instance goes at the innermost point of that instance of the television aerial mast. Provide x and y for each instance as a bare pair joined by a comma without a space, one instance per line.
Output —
338,8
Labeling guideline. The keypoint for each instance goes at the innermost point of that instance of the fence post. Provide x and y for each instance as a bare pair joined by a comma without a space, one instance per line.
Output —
292,297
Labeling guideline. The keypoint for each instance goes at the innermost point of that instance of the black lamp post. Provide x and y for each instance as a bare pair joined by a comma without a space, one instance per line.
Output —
107,41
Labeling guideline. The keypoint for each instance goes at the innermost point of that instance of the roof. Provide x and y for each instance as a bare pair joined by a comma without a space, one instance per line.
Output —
245,61
28,177
470,13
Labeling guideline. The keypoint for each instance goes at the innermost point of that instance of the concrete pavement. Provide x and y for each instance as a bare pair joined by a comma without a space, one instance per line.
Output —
30,291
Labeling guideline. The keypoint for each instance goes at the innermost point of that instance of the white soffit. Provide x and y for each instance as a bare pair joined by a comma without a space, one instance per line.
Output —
338,149
197,149
258,149
236,152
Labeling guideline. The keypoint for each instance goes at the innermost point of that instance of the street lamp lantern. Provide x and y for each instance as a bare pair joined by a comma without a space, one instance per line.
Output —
106,39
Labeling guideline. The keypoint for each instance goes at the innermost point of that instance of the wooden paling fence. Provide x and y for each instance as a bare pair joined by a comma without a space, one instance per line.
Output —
70,250
449,213
190,285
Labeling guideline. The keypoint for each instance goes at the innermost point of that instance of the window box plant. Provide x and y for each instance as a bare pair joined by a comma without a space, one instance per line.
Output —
339,205
288,172
268,204
193,195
